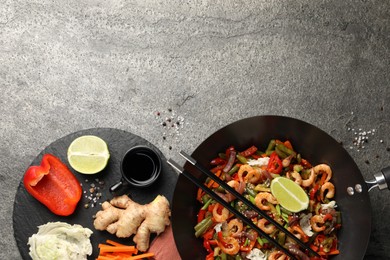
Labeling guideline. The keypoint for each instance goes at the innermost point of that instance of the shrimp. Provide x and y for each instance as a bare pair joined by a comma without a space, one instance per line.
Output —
310,180
229,245
323,169
317,223
243,169
277,255
327,190
253,176
220,217
262,198
297,178
264,225
238,186
298,232
235,227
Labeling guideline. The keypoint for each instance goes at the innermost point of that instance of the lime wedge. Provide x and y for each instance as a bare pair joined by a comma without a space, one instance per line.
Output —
290,195
88,154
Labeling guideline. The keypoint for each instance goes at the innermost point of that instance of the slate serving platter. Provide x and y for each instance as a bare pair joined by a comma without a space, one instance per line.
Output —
28,213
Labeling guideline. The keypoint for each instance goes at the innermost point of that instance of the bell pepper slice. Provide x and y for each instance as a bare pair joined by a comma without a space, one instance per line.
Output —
313,191
274,164
251,150
54,185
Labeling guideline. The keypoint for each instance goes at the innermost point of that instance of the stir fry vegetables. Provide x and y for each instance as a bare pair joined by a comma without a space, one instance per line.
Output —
250,173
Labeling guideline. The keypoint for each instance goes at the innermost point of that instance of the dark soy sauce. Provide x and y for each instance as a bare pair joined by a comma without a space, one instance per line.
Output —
139,167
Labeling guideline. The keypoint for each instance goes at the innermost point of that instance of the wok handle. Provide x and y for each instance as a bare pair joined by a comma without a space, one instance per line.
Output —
382,180
386,175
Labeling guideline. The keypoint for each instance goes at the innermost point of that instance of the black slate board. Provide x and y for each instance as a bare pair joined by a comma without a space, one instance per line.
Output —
29,213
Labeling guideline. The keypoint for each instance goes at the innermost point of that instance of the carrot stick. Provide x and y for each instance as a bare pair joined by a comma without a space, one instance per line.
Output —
112,249
334,252
113,243
145,255
200,194
288,144
213,183
101,257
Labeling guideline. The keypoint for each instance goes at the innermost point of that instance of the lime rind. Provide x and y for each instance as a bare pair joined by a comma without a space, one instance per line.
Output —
290,195
88,154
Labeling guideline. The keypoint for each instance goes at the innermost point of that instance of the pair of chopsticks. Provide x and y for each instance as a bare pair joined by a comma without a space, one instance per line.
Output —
247,221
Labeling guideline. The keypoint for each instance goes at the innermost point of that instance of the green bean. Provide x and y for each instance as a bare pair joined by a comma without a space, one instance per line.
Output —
281,238
285,150
280,153
285,217
233,170
250,198
238,257
220,189
201,224
262,187
298,167
250,190
201,229
278,209
206,205
271,147
262,241
242,159
205,198
223,256
283,210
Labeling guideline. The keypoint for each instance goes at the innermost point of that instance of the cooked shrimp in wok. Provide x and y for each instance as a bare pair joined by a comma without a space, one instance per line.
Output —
224,234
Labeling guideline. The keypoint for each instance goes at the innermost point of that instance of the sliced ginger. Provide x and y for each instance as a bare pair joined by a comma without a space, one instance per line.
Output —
124,217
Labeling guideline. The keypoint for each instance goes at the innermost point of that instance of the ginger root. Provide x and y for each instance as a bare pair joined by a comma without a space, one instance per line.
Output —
124,217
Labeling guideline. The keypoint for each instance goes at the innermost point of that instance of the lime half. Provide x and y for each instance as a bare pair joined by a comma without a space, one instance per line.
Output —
88,154
289,194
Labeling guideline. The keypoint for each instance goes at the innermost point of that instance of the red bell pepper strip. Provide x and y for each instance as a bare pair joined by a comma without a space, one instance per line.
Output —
228,151
313,191
54,185
218,161
274,164
251,244
210,256
201,214
305,163
251,150
221,239
328,217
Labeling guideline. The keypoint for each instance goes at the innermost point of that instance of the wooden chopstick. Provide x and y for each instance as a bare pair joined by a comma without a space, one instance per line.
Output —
245,201
221,201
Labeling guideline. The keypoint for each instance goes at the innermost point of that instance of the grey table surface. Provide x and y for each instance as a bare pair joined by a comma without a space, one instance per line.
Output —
72,65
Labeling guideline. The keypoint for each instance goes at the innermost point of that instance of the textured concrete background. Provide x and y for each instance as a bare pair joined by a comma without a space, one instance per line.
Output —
72,65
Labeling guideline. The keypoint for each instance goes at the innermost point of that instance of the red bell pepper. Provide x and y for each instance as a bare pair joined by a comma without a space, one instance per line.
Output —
54,185
201,214
218,161
313,191
274,164
251,150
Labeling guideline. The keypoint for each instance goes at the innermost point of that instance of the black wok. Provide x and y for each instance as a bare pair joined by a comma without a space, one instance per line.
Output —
314,145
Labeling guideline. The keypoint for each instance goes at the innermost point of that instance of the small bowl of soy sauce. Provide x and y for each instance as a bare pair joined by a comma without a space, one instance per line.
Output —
140,167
